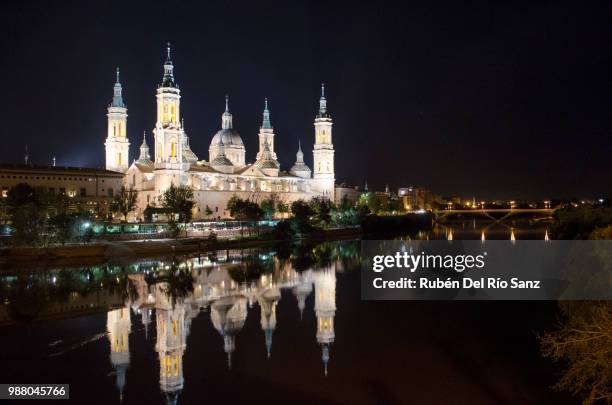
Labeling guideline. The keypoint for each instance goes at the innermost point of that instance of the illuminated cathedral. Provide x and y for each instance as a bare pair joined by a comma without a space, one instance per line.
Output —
226,172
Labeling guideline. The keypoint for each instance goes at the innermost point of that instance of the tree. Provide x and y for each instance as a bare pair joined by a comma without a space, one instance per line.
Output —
244,210
26,213
301,211
178,201
282,207
270,206
584,342
321,211
124,202
207,211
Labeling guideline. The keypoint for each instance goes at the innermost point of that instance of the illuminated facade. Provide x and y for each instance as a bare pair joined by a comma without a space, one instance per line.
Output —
117,145
226,173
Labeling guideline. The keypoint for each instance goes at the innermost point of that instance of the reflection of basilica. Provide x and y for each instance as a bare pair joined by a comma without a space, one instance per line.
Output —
229,304
118,326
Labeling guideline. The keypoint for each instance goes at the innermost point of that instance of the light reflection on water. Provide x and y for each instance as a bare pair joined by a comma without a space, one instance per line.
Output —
165,296
156,313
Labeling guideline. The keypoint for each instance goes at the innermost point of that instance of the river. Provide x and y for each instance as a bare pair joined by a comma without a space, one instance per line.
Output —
278,325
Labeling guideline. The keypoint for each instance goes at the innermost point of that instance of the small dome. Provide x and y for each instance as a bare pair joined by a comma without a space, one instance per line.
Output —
221,160
229,137
267,164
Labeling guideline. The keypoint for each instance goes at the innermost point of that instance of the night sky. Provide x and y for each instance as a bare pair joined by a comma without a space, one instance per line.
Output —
462,98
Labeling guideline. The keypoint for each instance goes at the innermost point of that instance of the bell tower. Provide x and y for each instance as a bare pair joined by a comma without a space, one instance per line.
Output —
323,153
172,155
117,145
266,134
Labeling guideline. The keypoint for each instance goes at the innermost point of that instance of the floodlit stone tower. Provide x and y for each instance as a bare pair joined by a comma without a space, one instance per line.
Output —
266,134
117,145
173,155
323,153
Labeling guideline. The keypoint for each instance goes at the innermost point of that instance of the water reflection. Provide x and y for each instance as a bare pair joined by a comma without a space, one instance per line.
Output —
178,291
169,294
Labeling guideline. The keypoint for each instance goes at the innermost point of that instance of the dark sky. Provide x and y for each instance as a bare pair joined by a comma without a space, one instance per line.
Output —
463,98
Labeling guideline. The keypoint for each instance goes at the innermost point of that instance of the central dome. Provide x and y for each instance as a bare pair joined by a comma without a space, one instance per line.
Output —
230,137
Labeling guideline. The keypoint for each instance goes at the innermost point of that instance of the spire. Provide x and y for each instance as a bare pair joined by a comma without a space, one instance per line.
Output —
299,156
325,357
322,103
144,148
266,116
268,334
366,186
168,79
226,118
117,93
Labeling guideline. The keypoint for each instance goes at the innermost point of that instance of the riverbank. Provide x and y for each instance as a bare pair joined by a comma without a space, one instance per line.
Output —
102,251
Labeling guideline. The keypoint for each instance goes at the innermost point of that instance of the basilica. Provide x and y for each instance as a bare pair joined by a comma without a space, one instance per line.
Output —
226,172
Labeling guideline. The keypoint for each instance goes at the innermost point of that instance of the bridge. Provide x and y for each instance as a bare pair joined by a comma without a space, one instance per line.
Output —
494,214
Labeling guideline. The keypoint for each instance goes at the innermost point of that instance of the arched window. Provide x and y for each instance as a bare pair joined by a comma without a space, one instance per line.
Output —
173,149
165,112
172,114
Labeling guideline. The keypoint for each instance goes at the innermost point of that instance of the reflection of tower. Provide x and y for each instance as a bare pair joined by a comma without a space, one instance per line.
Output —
267,302
171,336
303,290
118,326
228,315
325,309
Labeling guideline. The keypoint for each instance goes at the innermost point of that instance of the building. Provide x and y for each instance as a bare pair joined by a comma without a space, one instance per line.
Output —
344,191
416,198
226,173
83,185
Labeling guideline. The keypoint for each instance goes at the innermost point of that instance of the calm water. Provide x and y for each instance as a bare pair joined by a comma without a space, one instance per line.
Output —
277,325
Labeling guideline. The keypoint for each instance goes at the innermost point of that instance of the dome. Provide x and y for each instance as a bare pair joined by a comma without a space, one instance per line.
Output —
267,164
229,137
221,160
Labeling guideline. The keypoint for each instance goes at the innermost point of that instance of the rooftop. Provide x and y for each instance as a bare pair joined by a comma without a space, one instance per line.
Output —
20,168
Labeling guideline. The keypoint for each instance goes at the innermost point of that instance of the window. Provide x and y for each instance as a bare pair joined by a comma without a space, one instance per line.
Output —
52,190
216,209
4,191
109,192
83,192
